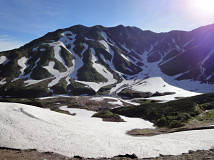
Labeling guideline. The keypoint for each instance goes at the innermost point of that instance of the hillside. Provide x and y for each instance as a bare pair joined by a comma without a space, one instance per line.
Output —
173,114
98,60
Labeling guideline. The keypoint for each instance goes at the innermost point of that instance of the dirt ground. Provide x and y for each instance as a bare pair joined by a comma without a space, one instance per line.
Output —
16,154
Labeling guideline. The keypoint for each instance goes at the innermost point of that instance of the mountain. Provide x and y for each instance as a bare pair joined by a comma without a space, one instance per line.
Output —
84,60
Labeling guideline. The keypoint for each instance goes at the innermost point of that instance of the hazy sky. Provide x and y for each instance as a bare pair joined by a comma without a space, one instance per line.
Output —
25,20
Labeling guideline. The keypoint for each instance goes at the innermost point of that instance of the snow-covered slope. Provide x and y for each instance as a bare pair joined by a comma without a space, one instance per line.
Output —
24,127
110,59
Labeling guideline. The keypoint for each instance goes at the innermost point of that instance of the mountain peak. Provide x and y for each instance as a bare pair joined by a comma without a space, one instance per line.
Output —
107,60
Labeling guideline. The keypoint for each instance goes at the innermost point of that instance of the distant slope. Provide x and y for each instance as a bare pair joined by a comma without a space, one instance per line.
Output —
172,114
100,59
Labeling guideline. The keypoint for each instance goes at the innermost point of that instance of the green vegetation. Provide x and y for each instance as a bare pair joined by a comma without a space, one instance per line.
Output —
67,56
79,45
19,90
87,72
76,89
94,33
154,57
11,69
60,87
59,66
171,54
107,115
208,115
40,73
106,54
45,56
105,90
128,93
30,101
183,62
145,101
121,64
171,114
49,103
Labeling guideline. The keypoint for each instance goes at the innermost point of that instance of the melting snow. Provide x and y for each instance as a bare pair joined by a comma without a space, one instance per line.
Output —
104,35
87,39
54,72
101,70
207,57
160,82
85,136
118,101
2,59
42,49
3,81
124,57
22,63
105,44
78,62
32,81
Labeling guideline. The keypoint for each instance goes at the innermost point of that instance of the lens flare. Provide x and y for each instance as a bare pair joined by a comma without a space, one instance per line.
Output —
205,6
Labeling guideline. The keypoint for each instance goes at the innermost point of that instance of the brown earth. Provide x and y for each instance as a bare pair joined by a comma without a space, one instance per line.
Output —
16,154
193,125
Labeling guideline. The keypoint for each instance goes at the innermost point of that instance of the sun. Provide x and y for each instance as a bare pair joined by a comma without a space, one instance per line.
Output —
204,6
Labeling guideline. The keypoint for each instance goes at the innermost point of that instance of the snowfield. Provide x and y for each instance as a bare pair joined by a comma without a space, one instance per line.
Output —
25,127
152,79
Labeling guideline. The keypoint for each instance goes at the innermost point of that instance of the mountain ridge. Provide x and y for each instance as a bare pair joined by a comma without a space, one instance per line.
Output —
111,59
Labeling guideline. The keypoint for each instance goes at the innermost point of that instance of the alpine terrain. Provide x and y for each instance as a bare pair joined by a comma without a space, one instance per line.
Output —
123,61
121,92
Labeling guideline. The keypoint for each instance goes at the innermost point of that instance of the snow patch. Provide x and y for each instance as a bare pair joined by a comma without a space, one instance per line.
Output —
42,49
118,101
2,59
78,62
207,57
126,49
101,70
35,49
54,72
3,81
105,44
124,57
31,81
22,63
104,35
88,39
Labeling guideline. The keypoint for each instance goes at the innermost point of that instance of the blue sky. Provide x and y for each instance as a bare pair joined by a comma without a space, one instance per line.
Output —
25,20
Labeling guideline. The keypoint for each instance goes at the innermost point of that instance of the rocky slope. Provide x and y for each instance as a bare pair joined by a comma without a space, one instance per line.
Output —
84,60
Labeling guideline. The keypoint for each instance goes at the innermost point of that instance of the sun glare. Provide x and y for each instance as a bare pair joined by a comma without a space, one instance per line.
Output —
205,6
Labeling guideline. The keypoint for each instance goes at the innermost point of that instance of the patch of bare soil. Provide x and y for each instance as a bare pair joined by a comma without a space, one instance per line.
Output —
16,154
193,125
82,102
